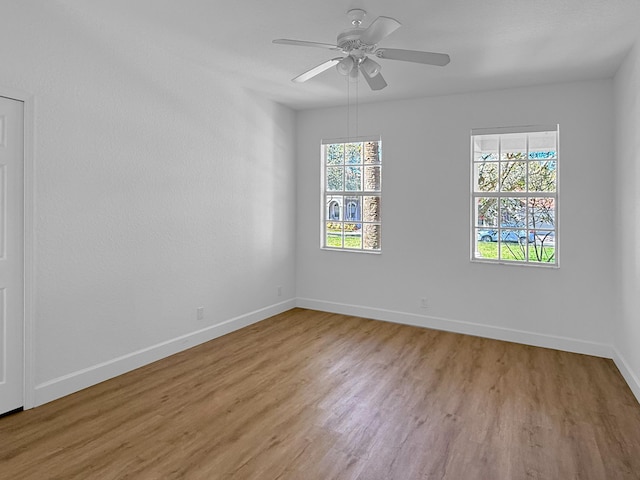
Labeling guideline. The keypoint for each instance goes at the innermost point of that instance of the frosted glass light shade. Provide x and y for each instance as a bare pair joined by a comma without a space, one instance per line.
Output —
371,67
345,66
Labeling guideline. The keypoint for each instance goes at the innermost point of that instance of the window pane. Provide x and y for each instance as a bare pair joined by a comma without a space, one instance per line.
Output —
372,152
333,234
513,146
512,212
512,235
335,153
372,178
371,209
334,179
352,209
372,237
333,205
542,252
513,176
542,176
487,234
486,246
485,148
542,213
352,235
485,177
353,179
512,251
542,145
486,212
353,153
546,238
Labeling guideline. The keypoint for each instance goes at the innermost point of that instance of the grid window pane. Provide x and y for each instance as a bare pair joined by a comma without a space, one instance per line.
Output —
542,176
352,178
371,236
352,235
371,209
335,179
486,211
541,213
335,154
372,175
334,210
485,148
543,145
512,252
513,176
514,196
485,176
513,146
353,153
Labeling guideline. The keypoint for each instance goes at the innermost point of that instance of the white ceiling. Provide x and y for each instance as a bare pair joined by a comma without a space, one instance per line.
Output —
492,43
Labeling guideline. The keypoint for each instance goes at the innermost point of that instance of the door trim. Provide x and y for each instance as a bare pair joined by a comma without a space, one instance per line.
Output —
28,102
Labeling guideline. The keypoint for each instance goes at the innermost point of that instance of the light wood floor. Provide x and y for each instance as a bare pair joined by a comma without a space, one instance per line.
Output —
308,395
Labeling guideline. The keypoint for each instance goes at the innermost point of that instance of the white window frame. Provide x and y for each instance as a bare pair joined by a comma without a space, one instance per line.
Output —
529,231
327,197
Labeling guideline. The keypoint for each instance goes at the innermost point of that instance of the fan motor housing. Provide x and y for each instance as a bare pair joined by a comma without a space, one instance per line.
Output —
349,40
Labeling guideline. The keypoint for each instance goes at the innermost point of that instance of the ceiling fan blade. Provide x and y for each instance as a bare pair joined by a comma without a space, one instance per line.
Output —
379,28
376,82
428,58
303,77
302,43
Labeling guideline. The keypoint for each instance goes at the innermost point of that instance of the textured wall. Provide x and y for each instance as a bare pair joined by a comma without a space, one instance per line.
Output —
161,186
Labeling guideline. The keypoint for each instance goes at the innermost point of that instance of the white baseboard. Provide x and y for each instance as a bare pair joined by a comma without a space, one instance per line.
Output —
73,382
631,379
468,328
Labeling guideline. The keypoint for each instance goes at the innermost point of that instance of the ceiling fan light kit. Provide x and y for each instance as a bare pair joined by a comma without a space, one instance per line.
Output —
370,66
345,66
357,43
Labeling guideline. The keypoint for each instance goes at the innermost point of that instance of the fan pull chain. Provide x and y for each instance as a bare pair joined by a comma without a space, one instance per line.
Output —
356,107
348,109
357,111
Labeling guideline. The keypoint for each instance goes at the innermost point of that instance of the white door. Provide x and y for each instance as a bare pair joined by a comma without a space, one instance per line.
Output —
11,254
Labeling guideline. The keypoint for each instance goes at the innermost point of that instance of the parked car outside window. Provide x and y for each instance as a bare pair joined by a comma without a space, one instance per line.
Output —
508,233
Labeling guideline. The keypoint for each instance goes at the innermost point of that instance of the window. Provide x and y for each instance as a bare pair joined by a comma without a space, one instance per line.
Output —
351,195
514,195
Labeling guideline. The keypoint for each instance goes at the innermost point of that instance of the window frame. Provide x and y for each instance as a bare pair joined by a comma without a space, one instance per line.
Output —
348,197
528,196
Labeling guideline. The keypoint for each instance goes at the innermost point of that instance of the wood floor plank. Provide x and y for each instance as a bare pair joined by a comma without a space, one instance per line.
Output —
313,395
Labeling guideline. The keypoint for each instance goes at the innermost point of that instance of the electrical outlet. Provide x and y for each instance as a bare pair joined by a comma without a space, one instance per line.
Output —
279,288
424,303
200,313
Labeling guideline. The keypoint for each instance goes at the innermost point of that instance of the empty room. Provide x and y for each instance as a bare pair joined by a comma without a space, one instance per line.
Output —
350,239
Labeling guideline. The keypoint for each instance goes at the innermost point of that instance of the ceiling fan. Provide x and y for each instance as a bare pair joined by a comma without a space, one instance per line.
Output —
358,43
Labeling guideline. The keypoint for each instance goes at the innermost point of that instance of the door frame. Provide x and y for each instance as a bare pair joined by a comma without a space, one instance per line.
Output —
28,101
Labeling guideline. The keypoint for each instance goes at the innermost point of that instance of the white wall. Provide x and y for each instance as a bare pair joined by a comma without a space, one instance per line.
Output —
160,187
627,228
426,220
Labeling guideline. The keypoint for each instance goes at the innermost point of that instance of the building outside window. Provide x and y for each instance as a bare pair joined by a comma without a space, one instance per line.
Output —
514,195
351,195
